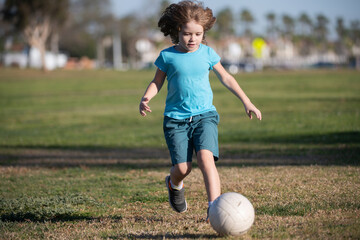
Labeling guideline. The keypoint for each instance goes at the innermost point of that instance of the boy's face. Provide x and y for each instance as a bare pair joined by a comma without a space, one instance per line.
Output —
190,36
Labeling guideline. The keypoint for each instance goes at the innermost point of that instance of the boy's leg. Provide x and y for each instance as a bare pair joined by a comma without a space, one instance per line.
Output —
175,189
179,172
181,151
207,166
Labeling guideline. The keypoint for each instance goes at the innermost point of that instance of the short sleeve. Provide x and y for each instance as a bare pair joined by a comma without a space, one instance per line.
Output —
160,63
214,58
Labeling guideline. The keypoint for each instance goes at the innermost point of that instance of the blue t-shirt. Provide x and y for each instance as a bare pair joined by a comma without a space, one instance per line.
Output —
189,90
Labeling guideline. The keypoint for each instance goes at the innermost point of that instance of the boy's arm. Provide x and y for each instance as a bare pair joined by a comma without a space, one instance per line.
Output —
153,88
230,82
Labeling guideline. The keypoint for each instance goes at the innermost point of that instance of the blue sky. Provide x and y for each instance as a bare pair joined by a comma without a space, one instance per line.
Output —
347,9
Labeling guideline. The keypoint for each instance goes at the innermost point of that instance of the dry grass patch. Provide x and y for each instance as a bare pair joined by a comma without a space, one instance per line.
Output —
291,202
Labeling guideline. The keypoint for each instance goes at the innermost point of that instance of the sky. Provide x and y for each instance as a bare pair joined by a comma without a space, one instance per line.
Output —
349,10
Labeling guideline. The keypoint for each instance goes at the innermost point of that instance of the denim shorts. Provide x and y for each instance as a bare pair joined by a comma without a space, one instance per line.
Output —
196,133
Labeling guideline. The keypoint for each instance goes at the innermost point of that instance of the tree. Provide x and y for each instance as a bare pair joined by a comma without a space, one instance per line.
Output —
129,28
271,28
321,32
289,25
342,32
306,24
340,28
321,29
90,22
35,19
354,31
225,22
154,18
305,39
247,19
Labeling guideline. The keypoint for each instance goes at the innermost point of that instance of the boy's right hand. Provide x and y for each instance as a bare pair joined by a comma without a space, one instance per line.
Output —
144,107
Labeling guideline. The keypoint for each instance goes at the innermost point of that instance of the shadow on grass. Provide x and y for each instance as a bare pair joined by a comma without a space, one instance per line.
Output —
327,149
166,236
328,138
64,207
59,218
33,218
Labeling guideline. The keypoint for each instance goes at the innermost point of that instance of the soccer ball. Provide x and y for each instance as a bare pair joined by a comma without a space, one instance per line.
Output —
231,214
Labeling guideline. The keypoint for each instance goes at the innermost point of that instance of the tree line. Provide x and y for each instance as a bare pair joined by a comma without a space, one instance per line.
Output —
79,27
306,32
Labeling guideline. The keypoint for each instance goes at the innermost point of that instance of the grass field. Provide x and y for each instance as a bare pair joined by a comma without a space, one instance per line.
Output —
77,161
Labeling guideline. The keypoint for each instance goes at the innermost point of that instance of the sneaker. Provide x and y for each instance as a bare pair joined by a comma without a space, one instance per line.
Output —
176,197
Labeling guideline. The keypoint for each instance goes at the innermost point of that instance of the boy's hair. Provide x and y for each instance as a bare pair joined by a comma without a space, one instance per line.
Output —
178,14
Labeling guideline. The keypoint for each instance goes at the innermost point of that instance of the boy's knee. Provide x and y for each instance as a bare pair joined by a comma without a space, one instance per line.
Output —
205,158
184,168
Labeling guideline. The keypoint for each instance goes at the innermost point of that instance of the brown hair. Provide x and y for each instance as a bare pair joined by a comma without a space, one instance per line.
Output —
178,14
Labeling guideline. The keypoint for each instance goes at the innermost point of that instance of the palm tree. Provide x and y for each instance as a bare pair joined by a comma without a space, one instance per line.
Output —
304,40
355,31
342,35
321,29
340,28
289,25
225,22
247,19
306,24
272,28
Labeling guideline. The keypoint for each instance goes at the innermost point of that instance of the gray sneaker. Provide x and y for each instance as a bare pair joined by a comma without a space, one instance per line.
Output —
176,197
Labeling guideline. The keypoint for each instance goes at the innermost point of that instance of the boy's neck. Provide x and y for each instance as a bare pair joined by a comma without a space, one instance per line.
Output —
180,49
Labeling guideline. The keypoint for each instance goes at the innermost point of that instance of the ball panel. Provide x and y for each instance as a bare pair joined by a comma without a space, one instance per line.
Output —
246,213
228,221
218,216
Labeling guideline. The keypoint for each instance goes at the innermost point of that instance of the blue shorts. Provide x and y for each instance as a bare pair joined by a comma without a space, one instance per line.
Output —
183,136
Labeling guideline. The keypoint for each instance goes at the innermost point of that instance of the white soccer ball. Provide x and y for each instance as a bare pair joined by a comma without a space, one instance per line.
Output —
231,214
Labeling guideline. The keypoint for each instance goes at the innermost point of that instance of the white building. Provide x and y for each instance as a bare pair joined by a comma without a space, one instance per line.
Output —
33,59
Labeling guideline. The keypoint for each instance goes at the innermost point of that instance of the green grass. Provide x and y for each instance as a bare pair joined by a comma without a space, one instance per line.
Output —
77,161
301,110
